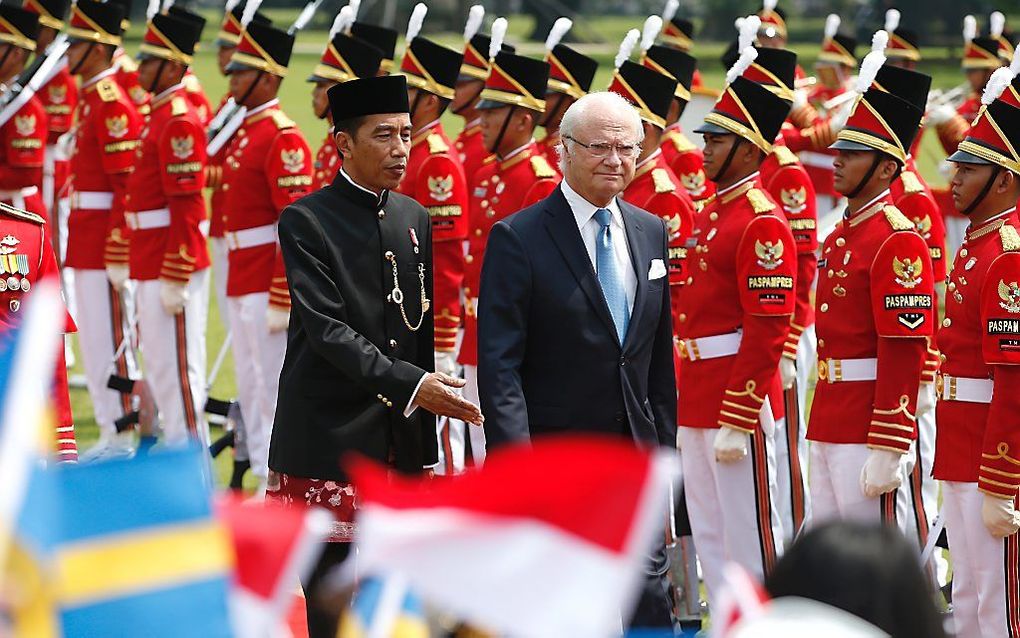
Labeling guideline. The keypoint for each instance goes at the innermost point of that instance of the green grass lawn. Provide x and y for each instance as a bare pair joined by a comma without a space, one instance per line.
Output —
296,101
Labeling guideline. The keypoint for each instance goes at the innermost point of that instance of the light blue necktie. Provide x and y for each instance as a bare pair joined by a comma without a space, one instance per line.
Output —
609,276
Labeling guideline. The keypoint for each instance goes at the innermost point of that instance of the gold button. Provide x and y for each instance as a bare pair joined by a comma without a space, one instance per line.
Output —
951,286
490,213
485,203
485,182
947,322
840,241
469,258
824,307
478,232
682,317
821,343
831,272
495,179
942,358
713,216
690,280
226,187
963,252
389,404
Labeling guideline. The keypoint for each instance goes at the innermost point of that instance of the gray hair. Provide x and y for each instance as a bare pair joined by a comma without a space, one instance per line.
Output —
603,102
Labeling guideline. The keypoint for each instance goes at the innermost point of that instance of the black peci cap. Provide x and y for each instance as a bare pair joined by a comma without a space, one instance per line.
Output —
368,96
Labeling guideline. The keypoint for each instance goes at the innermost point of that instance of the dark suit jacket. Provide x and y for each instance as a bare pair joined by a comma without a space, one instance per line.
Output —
352,364
549,359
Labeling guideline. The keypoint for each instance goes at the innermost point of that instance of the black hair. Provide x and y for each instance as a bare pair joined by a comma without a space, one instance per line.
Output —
870,571
349,125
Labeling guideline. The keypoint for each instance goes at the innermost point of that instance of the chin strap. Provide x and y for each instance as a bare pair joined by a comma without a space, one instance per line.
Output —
468,104
414,105
729,159
502,129
251,87
81,61
550,115
867,177
155,79
987,188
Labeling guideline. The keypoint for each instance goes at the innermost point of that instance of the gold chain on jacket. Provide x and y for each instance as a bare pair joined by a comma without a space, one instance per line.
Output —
397,295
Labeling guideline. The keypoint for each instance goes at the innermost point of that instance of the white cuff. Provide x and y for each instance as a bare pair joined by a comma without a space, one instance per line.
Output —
411,405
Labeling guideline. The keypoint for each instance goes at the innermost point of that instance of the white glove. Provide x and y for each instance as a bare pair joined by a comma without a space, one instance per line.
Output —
799,99
838,120
65,146
941,114
999,516
118,274
277,320
788,372
173,297
730,445
881,473
925,399
446,363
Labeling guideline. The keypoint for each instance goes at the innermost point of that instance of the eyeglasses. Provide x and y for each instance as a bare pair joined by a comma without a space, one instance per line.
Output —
602,149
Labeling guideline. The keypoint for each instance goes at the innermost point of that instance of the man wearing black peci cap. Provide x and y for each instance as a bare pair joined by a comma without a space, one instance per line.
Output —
360,346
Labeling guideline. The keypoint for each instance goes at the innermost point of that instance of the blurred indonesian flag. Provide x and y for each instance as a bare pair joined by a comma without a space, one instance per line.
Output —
544,540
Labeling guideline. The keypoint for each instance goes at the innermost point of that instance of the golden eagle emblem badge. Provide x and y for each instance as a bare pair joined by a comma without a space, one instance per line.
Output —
1010,295
182,147
24,124
923,226
794,199
57,94
694,182
293,161
673,225
770,254
117,126
441,188
908,273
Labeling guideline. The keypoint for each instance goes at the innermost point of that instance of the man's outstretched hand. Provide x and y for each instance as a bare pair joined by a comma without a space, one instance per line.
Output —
438,395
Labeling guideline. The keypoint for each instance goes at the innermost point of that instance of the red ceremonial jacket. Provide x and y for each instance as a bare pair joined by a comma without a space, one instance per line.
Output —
687,163
196,95
327,163
127,78
23,146
59,98
471,149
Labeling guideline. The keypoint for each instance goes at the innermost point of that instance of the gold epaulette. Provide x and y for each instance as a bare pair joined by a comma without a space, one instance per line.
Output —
128,64
699,205
759,202
784,155
107,90
178,106
191,84
896,219
681,142
1009,237
21,214
662,182
911,184
541,167
282,121
436,144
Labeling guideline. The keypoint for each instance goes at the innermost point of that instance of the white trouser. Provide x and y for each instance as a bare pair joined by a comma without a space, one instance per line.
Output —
986,570
924,489
956,230
173,348
258,359
724,501
793,504
218,248
836,489
450,433
102,328
476,434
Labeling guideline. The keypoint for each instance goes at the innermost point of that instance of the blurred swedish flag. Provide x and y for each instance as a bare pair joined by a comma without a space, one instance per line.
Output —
122,548
384,608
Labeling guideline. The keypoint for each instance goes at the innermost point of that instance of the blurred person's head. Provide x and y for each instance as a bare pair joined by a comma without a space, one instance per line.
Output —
867,570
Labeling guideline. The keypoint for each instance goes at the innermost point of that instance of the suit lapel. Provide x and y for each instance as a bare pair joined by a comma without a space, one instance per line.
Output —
563,228
638,258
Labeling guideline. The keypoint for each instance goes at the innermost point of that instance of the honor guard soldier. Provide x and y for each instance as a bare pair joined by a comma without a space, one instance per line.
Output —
435,179
570,77
383,38
978,450
165,210
678,33
515,176
681,155
26,259
345,58
735,315
24,135
106,138
356,377
875,310
127,68
773,34
470,83
267,166
192,85
655,188
786,181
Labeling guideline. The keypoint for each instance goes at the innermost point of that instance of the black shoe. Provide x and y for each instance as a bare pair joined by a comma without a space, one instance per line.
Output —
237,477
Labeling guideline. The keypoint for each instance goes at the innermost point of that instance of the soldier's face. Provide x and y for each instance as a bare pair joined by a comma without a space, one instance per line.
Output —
376,155
13,60
978,78
968,182
320,100
717,149
223,57
75,53
852,167
465,94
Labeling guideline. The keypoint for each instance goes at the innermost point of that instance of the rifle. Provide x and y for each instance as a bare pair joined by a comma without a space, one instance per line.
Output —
41,71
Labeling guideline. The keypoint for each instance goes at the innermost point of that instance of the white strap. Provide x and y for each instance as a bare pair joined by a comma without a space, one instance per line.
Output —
249,237
964,389
148,219
840,370
91,200
16,197
713,347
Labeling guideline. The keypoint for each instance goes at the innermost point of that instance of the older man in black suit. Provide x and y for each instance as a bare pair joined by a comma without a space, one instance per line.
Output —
574,315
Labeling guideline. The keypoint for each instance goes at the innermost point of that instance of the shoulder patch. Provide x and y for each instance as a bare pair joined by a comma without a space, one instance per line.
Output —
681,142
191,84
897,220
107,90
21,214
911,184
178,106
436,144
541,167
784,155
282,121
1009,237
759,201
662,182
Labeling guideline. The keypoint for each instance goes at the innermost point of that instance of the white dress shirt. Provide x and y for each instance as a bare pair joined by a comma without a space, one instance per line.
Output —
584,215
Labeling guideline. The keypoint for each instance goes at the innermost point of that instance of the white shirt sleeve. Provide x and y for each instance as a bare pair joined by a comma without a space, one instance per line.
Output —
411,405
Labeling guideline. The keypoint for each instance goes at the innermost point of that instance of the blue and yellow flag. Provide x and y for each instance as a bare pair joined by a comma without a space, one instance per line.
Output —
386,608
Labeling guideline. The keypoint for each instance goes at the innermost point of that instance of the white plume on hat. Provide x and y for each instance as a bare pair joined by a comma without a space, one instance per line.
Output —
832,23
670,11
996,85
651,30
996,23
556,33
342,22
230,5
1014,65
768,6
499,26
355,6
747,31
474,22
304,17
628,44
151,9
892,20
417,19
250,8
747,56
872,62
969,28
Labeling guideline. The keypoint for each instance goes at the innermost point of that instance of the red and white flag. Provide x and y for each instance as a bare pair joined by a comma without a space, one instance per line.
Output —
544,540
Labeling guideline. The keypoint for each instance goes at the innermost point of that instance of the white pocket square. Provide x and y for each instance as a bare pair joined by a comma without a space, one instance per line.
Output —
657,269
